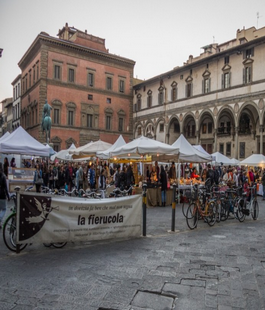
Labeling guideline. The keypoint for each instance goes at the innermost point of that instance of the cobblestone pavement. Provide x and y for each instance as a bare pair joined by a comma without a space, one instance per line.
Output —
220,267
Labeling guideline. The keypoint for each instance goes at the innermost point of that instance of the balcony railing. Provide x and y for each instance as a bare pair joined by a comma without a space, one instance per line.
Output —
223,131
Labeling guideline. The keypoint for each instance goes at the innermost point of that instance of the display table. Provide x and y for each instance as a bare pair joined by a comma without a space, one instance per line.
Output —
22,177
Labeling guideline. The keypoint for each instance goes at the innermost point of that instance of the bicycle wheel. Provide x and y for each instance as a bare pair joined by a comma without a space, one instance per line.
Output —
10,233
240,212
185,208
59,245
224,211
255,210
211,214
192,216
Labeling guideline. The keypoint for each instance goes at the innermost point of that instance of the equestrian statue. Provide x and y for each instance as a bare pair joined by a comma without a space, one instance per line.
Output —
46,120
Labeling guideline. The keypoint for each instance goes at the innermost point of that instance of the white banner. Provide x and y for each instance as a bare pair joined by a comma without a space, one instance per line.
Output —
49,218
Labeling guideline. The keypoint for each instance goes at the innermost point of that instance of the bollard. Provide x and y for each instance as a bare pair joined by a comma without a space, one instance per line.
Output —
144,209
173,208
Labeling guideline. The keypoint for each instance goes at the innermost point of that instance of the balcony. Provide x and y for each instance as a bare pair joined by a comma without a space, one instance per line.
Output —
223,131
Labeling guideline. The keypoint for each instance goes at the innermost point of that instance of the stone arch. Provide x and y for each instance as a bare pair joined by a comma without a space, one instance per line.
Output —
173,130
189,127
149,130
206,129
160,128
137,133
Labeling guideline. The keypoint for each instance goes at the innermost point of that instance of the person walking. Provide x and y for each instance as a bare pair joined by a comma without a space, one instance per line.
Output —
4,194
129,179
38,180
92,177
263,184
163,181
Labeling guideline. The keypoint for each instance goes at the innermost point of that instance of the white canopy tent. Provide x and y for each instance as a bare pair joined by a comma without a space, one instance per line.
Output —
201,149
189,154
257,160
106,154
235,161
22,143
144,146
5,136
63,154
91,149
219,158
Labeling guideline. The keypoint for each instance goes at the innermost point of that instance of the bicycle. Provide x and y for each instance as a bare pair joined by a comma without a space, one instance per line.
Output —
249,207
195,211
117,192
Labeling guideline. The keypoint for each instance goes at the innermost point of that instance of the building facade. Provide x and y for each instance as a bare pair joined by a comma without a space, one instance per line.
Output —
16,102
216,99
89,89
6,116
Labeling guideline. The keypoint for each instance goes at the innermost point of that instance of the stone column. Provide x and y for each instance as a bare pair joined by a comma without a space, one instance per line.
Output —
236,142
215,140
261,139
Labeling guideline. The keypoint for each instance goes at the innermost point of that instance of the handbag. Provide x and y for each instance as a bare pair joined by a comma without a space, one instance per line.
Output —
39,181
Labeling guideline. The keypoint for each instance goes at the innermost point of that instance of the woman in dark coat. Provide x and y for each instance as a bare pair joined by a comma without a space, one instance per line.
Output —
163,181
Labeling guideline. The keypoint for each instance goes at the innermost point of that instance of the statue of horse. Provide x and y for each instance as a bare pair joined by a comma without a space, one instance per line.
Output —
46,127
46,120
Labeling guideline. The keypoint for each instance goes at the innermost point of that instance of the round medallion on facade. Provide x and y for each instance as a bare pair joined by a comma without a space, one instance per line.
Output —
261,104
181,117
236,108
197,114
215,111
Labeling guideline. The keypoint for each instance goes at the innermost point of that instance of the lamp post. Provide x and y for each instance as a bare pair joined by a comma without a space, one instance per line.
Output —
1,50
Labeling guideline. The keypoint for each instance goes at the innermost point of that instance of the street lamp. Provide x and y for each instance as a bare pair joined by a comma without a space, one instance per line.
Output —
1,50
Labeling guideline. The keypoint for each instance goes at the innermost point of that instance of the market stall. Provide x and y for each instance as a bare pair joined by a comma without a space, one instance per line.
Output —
20,142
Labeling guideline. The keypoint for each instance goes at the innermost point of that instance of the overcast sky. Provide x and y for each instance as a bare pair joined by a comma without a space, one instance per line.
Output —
158,35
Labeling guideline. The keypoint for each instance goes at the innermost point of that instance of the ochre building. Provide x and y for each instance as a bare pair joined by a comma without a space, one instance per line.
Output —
89,89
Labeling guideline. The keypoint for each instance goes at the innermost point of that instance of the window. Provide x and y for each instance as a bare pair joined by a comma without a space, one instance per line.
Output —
108,122
30,78
109,83
228,127
226,77
56,116
34,74
89,120
210,127
221,148
228,149
161,127
206,85
120,124
108,100
70,118
57,72
204,128
247,74
242,149
56,147
226,60
193,131
188,90
139,103
139,131
174,94
90,97
249,53
37,71
149,98
176,127
161,97
90,79
121,86
71,75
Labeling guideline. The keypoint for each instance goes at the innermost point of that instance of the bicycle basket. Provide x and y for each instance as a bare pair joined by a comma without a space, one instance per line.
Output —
191,194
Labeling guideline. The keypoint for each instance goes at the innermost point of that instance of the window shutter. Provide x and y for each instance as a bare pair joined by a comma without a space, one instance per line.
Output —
222,79
249,74
203,87
191,89
244,54
244,73
252,51
186,91
229,81
209,84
